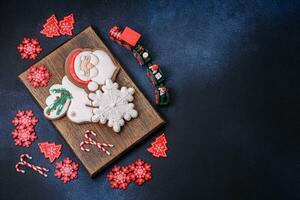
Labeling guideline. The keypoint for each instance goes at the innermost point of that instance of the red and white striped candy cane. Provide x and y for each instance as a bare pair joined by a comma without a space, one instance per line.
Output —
40,170
90,141
18,169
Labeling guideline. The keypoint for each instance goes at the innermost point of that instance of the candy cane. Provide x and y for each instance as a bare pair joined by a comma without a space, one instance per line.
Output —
40,170
20,170
90,141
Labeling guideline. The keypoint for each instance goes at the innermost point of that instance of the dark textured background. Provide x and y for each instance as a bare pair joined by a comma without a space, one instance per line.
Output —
234,123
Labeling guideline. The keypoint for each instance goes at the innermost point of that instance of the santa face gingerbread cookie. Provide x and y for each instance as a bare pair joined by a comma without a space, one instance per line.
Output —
86,92
89,68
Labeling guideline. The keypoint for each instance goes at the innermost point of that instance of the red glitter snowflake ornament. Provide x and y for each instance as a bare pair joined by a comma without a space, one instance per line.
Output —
38,76
158,147
66,170
140,172
24,118
29,48
66,25
118,177
51,28
50,150
24,136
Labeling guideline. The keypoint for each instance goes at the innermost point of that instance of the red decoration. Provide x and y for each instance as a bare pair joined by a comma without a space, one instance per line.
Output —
158,147
118,177
130,36
24,133
29,48
154,67
51,28
115,35
24,118
66,25
38,76
140,172
50,150
72,68
66,170
24,136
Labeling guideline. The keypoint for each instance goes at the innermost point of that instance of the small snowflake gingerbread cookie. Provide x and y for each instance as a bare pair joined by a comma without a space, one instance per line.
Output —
113,105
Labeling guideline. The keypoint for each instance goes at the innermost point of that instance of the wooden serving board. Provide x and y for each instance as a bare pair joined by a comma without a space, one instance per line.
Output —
132,133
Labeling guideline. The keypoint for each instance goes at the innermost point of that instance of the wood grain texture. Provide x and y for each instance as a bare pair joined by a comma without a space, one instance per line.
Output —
133,131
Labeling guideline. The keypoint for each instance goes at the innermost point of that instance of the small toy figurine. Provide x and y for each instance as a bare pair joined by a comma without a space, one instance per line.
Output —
141,54
155,75
162,95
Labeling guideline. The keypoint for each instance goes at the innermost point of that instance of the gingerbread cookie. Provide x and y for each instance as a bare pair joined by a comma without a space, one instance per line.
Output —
88,68
113,105
80,96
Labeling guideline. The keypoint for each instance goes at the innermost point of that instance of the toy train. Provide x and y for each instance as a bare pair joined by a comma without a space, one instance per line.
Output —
129,39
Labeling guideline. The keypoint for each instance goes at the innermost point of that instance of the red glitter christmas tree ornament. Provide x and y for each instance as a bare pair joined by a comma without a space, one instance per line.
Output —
50,150
140,172
66,25
24,136
158,147
29,48
118,177
66,170
51,28
24,118
38,76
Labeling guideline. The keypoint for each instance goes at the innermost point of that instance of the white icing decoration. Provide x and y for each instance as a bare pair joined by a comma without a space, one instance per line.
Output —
103,69
92,86
78,111
50,99
81,72
113,105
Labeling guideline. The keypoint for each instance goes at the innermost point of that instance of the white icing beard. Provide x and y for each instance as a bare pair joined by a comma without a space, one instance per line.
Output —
103,69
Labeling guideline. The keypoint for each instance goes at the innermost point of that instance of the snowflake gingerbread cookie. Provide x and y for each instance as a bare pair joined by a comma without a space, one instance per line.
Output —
88,92
113,105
